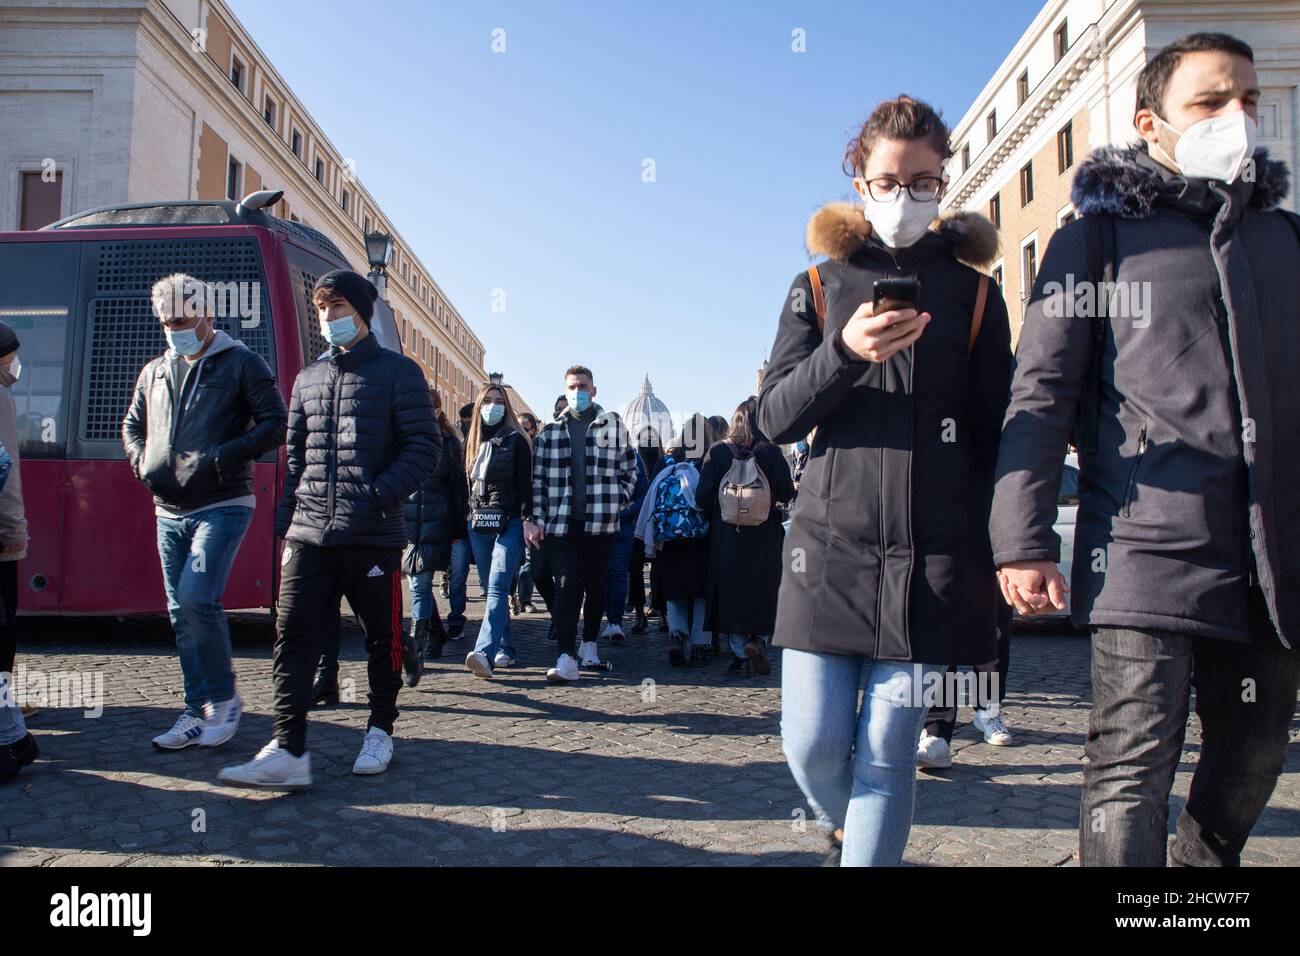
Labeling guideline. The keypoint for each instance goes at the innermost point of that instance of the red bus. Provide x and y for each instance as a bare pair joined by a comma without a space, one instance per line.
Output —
77,294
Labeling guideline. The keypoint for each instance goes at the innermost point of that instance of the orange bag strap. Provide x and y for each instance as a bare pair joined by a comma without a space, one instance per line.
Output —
977,317
819,298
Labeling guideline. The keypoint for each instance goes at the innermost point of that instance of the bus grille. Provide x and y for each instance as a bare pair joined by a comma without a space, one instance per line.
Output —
124,335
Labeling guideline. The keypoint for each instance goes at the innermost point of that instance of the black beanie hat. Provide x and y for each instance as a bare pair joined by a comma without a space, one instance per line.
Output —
358,290
8,340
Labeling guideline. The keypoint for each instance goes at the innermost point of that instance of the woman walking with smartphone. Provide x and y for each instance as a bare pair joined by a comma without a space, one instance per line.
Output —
887,565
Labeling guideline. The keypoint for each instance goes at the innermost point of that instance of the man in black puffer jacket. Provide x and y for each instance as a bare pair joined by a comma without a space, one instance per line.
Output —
362,437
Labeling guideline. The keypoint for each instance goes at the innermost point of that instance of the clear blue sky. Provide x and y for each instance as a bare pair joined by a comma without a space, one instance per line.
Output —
523,170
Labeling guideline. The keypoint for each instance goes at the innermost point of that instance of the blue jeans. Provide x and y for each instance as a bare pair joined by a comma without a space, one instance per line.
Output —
497,556
457,576
197,553
856,767
687,617
737,642
12,726
421,595
620,556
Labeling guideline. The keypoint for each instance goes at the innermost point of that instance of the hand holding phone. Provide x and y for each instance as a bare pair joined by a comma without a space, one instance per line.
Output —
888,324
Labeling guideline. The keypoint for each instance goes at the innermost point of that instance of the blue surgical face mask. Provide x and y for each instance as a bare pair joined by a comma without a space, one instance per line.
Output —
492,414
184,341
801,446
579,399
340,331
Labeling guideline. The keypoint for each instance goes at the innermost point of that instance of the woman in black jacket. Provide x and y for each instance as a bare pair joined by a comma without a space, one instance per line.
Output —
432,514
887,566
499,466
744,561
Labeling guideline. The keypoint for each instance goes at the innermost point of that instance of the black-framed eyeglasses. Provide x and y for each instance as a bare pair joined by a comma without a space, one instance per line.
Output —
922,188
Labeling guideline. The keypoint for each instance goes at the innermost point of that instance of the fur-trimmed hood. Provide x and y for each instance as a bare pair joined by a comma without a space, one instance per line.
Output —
1125,181
839,230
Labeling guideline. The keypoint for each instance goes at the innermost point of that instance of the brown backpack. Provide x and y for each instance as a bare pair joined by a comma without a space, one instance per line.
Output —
744,496
976,319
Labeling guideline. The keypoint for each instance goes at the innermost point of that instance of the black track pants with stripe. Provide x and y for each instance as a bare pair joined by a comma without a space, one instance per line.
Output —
310,577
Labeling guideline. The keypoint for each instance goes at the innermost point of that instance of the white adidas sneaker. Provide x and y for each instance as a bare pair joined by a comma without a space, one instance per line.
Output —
565,670
933,752
989,723
186,732
376,752
220,721
272,768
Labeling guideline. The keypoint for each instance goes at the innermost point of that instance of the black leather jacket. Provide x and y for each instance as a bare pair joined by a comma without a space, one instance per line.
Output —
235,414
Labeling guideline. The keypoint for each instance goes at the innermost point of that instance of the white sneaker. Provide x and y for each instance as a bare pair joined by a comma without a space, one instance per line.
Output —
220,721
186,732
272,768
503,660
478,665
589,654
376,752
989,723
933,752
604,631
564,671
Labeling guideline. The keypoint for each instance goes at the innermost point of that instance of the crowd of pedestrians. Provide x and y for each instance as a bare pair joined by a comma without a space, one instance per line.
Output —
877,512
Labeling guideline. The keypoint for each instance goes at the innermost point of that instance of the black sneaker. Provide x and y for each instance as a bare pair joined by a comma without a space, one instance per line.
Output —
739,667
455,632
325,692
16,756
412,666
677,650
757,654
437,638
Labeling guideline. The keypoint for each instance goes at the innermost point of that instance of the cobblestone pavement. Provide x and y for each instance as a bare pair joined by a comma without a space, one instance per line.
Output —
646,766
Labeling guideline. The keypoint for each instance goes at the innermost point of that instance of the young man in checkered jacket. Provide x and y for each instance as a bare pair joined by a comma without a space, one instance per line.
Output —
584,474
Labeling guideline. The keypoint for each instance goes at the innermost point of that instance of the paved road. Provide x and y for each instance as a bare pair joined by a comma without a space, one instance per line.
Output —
647,766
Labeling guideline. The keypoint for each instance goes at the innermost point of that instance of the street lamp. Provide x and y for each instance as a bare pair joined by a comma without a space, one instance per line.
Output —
496,378
379,252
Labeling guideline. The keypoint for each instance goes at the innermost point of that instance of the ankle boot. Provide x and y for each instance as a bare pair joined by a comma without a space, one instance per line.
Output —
325,692
641,623
435,638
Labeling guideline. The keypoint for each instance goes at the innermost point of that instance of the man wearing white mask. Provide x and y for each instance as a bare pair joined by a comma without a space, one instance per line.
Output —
1186,564
362,437
202,412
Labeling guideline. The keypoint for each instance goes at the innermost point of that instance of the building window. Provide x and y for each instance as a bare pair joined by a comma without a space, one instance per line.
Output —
237,73
343,200
1027,184
41,200
1029,268
991,124
234,179
995,210
295,143
997,276
320,170
1066,215
1061,40
268,112
1065,148
965,157
1022,88
367,226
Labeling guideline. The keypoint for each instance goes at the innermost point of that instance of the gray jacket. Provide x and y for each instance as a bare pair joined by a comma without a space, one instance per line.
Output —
13,518
1191,495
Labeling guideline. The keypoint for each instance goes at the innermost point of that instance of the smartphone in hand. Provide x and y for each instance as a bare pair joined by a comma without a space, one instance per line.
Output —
897,293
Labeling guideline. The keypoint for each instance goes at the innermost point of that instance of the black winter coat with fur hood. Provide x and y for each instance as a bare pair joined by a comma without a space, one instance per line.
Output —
888,553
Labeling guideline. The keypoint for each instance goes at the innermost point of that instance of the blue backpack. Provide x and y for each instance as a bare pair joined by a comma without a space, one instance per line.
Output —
673,517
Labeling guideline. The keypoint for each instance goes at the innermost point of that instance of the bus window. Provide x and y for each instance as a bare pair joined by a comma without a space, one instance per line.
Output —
123,334
304,270
38,287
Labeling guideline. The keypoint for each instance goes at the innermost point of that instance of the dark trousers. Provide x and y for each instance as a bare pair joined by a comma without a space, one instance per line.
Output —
310,579
579,565
9,626
940,721
1245,698
636,576
331,633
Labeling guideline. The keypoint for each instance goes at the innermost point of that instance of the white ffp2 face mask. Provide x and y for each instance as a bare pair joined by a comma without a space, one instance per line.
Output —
1215,148
900,223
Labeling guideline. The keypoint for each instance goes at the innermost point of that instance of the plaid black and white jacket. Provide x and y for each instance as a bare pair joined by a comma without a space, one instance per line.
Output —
611,474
